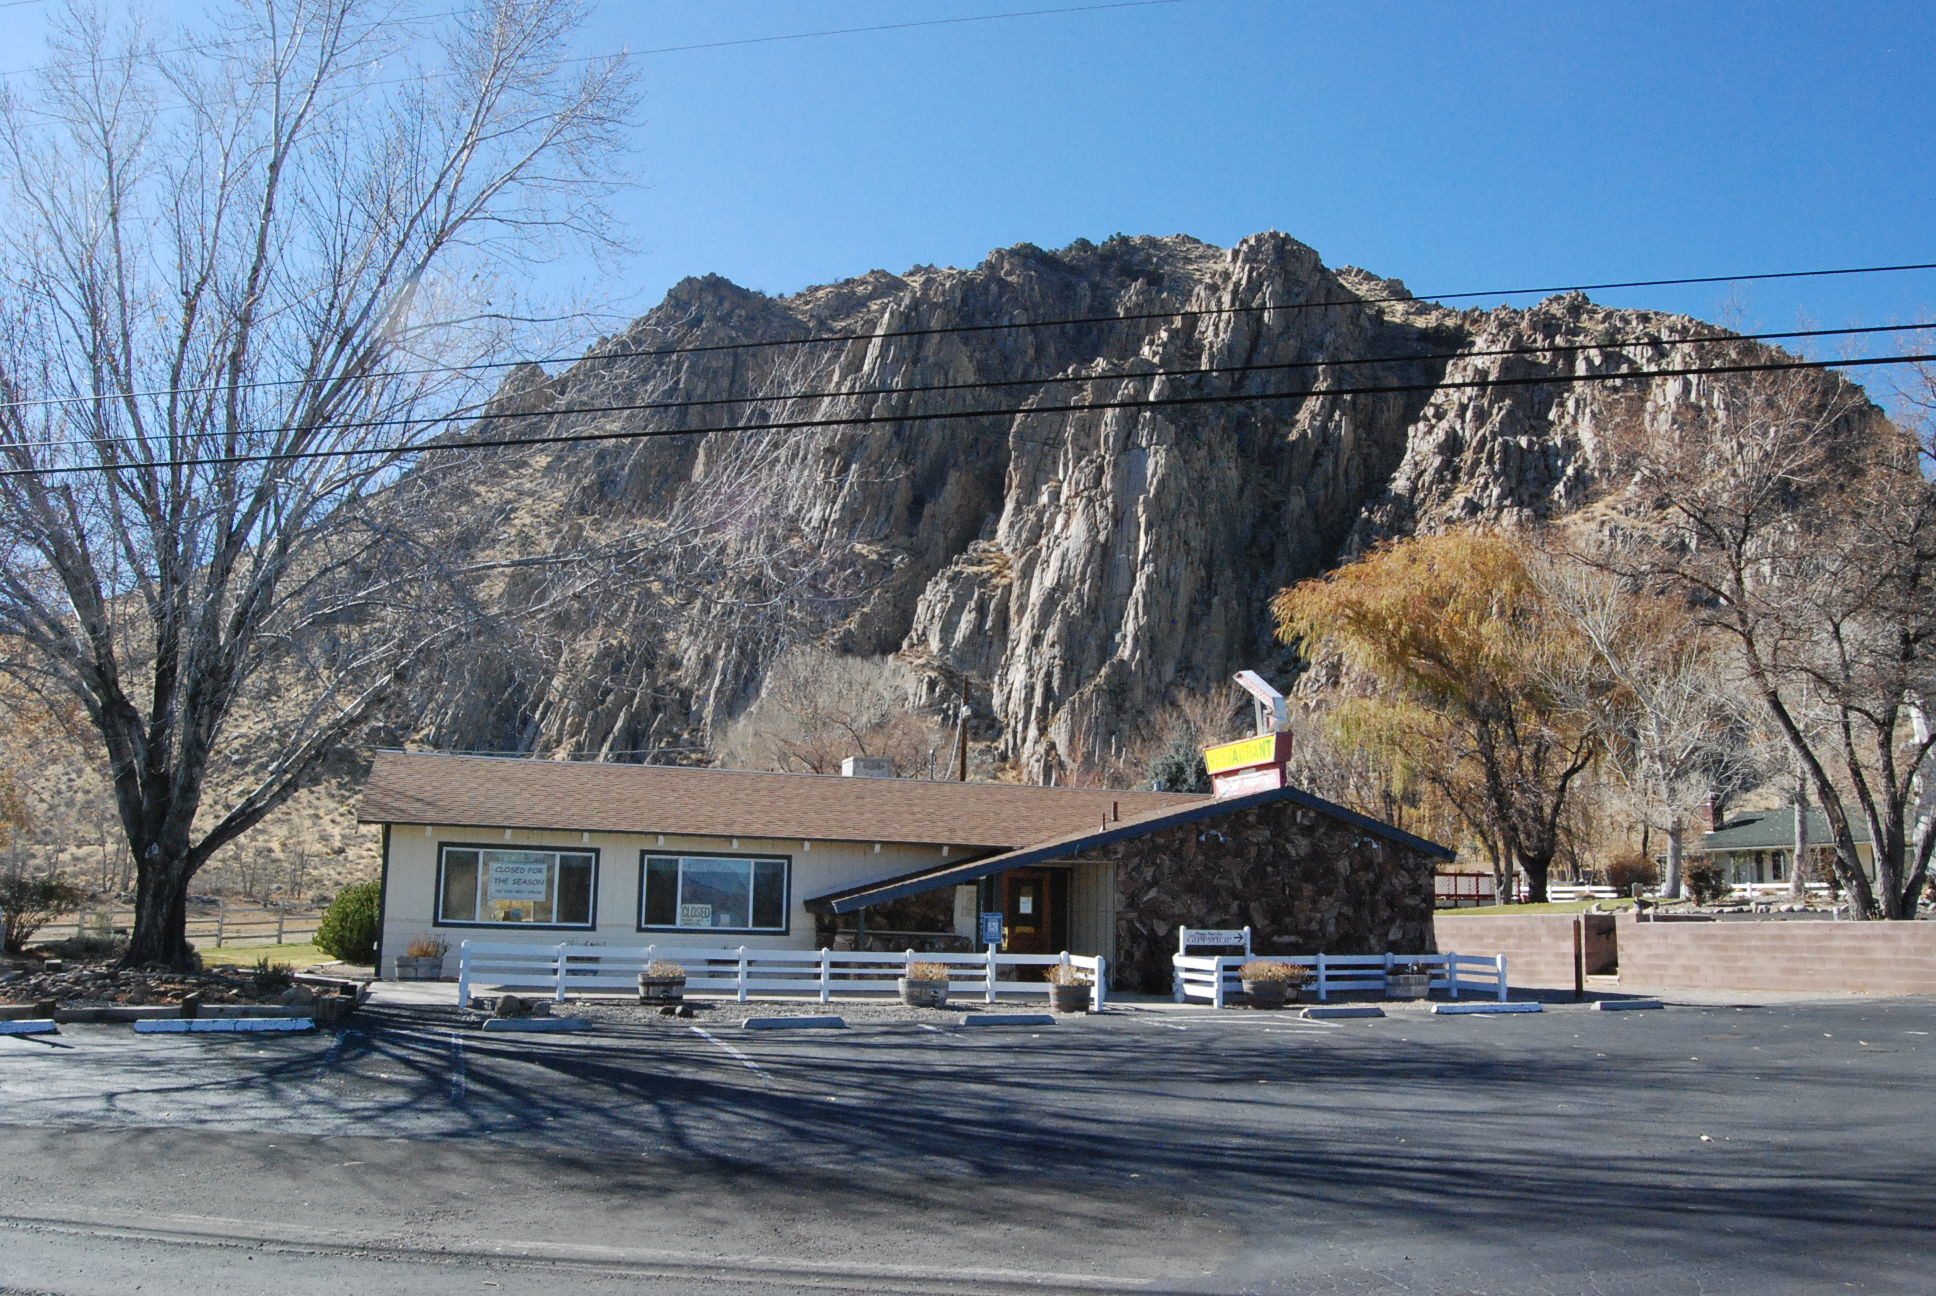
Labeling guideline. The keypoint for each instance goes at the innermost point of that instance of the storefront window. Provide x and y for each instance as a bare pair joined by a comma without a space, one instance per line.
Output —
486,885
712,892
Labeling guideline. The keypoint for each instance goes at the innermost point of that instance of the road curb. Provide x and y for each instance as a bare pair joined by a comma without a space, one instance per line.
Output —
794,1023
1007,1019
225,1025
537,1025
1326,1014
1485,1009
29,1026
1625,1005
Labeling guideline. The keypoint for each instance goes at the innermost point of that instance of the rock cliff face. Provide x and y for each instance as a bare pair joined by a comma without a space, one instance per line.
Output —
1073,568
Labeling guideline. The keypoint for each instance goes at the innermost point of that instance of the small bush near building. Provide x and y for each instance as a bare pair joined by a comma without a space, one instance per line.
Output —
349,926
1626,872
1707,881
271,978
1273,970
30,903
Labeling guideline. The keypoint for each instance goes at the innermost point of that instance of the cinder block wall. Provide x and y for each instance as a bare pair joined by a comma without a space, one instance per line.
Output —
1538,947
1864,958
1832,957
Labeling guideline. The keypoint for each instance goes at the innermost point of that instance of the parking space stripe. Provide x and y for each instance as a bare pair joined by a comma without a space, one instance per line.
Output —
732,1052
459,1083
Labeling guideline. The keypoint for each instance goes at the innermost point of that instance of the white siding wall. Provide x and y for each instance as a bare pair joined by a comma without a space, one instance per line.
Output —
410,902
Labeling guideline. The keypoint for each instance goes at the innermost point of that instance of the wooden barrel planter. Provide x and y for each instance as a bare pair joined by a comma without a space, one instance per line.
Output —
1268,994
1408,985
661,989
425,968
1068,998
923,993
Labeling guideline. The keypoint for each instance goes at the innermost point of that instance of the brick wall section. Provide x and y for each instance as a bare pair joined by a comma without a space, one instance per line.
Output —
1864,958
1538,947
1832,957
1300,888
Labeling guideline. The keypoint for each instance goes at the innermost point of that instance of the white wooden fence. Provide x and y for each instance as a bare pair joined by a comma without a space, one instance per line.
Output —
741,971
1215,978
1558,891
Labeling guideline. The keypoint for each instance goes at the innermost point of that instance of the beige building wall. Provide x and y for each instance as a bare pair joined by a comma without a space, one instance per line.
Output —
1092,908
410,900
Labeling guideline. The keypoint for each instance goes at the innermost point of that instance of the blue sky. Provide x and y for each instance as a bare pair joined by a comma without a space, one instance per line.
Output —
1453,145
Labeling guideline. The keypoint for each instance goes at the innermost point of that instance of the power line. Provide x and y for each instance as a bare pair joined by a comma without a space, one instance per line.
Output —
1556,348
800,425
830,338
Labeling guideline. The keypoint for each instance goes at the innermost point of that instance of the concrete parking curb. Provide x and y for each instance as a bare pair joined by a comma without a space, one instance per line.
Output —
1485,1009
1621,1005
225,1025
1007,1019
537,1024
29,1026
1325,1014
794,1023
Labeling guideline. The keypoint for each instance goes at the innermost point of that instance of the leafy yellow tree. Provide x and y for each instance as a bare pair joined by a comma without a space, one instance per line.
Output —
1484,691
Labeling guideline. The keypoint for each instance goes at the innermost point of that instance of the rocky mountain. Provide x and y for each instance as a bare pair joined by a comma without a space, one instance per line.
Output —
1071,568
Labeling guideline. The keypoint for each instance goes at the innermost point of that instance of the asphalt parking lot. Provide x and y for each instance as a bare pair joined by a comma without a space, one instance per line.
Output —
1708,1150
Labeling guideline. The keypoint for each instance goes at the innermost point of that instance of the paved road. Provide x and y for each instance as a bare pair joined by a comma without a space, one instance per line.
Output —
1699,1150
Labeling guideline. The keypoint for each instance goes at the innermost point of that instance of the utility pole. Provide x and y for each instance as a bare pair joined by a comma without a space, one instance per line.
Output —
961,736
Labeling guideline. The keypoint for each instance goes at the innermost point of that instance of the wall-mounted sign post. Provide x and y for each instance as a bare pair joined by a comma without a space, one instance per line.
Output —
991,930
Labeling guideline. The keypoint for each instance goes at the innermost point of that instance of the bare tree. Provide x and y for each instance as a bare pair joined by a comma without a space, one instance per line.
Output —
1799,523
1671,724
242,262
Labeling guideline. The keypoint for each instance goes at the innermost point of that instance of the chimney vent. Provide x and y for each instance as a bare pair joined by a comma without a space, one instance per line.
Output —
867,767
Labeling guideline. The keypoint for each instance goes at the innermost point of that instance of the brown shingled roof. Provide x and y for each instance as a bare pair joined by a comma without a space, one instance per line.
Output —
504,792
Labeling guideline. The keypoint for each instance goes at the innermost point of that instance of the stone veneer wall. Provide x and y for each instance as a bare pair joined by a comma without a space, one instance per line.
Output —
1301,889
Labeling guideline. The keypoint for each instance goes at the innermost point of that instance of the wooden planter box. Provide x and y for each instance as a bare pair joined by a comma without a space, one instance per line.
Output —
1408,985
1069,998
661,990
428,968
924,994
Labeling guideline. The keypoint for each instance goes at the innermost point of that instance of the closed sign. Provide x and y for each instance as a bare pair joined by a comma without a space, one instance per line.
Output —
518,881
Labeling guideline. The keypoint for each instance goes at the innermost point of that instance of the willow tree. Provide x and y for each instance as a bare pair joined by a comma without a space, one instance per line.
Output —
243,265
1480,688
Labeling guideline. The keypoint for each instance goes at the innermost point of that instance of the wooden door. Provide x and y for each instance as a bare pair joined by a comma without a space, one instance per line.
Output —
1032,917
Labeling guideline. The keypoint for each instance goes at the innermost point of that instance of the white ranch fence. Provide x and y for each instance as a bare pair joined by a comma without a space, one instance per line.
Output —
741,971
1560,891
1215,977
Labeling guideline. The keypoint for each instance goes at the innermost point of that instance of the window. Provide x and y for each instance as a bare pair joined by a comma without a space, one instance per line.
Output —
713,892
481,884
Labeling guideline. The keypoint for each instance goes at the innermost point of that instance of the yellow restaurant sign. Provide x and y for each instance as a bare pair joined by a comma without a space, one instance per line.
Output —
1262,750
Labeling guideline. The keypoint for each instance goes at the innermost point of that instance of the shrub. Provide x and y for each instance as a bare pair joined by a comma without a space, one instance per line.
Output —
29,903
1067,974
1273,970
1707,881
427,947
349,926
271,978
1180,769
664,968
1626,872
927,972
87,949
